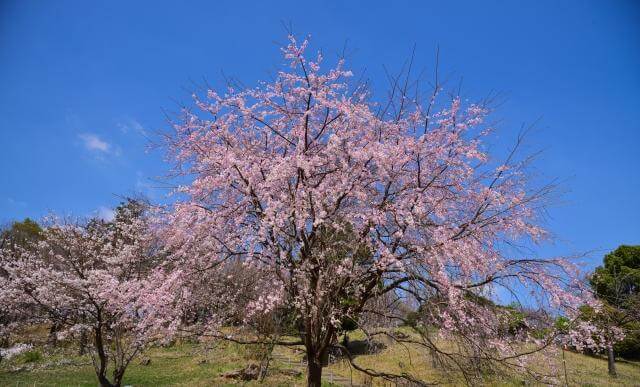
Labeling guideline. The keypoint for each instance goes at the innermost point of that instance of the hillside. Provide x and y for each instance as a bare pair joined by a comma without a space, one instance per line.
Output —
190,364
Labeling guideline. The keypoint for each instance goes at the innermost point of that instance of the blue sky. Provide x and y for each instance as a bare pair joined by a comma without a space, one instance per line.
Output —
84,84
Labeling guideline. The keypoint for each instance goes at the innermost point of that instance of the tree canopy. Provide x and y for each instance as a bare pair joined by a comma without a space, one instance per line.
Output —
617,284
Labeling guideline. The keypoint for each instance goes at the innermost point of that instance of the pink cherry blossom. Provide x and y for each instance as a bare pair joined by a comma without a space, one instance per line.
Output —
86,280
334,200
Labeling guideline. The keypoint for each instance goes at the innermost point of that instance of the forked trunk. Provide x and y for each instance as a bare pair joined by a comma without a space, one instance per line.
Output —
117,377
101,366
104,382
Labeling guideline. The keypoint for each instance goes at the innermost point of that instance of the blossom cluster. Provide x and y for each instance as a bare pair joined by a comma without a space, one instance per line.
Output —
336,200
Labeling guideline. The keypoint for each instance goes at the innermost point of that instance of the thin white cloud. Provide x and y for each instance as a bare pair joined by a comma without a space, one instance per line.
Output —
94,143
131,124
105,213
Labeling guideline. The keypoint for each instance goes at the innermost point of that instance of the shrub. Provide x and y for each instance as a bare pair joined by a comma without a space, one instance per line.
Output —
31,356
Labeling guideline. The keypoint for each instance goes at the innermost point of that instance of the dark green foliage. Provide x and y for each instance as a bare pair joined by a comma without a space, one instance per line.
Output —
630,347
481,300
348,324
617,284
20,234
562,324
619,278
516,321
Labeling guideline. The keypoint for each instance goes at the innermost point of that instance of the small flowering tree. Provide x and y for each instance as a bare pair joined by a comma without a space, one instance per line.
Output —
14,239
337,201
617,284
87,280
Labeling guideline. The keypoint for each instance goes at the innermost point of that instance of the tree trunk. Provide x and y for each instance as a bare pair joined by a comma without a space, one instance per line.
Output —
104,382
101,369
52,338
117,377
611,361
82,345
314,371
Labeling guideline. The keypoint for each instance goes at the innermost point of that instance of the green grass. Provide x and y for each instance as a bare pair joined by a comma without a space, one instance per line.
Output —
178,365
189,364
31,356
582,370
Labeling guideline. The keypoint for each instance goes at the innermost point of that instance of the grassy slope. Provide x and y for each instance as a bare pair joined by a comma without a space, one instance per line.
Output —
194,365
179,365
582,370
